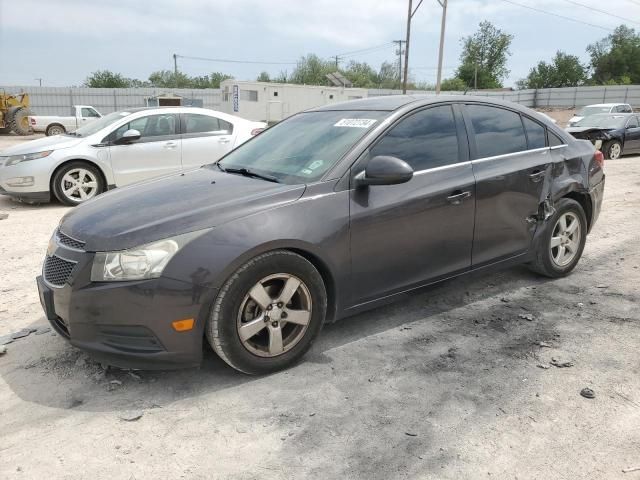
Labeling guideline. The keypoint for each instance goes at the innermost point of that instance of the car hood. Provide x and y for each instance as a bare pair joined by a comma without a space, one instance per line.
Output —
43,144
161,208
589,129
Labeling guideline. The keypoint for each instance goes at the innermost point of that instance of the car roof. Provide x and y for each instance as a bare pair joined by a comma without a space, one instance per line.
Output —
605,104
609,115
395,102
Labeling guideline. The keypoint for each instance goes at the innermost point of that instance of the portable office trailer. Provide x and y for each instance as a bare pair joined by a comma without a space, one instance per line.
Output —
272,102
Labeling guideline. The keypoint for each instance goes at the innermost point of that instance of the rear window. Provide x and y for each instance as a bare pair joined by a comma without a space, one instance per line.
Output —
536,137
497,131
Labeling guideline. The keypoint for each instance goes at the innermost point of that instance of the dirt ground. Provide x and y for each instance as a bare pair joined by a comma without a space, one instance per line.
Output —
454,382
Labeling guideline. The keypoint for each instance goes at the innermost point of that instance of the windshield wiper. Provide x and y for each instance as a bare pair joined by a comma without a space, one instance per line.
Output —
248,173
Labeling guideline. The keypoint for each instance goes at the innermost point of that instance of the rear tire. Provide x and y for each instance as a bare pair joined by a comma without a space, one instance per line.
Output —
20,122
563,240
260,336
612,150
54,129
77,182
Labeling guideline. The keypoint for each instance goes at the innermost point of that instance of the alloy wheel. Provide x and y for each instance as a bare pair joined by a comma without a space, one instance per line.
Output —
55,131
79,184
615,150
565,240
274,315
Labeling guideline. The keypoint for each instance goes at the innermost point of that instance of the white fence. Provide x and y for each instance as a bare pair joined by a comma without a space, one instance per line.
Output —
59,100
570,97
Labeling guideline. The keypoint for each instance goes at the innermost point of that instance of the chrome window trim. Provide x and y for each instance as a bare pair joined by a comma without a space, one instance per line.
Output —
512,154
483,159
556,147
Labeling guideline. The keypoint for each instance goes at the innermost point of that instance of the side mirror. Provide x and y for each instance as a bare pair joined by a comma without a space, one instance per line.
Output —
128,137
384,170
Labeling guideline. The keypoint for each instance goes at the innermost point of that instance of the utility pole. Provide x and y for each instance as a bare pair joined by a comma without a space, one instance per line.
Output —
39,81
175,64
410,13
399,52
337,57
443,4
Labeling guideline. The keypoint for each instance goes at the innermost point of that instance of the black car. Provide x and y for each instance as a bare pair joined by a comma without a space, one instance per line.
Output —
615,134
328,213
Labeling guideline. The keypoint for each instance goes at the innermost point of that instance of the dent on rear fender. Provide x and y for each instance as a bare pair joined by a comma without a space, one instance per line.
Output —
562,178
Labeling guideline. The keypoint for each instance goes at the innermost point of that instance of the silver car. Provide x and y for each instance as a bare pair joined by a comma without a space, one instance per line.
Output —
119,149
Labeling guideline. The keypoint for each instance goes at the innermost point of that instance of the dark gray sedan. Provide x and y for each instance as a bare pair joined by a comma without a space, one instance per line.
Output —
328,213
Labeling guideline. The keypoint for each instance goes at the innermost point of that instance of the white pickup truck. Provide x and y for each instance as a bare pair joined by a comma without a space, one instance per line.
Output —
55,125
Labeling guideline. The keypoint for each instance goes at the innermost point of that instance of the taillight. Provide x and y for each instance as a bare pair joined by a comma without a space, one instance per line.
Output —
599,158
256,131
33,121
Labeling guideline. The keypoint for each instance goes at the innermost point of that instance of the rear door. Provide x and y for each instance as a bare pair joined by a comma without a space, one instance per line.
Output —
632,135
205,138
156,153
405,235
512,166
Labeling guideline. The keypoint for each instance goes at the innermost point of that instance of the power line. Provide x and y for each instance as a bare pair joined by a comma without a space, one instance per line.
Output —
546,12
365,50
224,60
588,7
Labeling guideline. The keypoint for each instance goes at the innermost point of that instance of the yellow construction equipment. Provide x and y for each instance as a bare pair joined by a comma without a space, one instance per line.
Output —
14,113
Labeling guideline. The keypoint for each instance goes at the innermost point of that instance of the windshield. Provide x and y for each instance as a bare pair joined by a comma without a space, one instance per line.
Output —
603,121
304,147
99,124
586,111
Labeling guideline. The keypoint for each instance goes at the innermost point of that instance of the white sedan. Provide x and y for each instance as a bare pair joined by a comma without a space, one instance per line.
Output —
119,149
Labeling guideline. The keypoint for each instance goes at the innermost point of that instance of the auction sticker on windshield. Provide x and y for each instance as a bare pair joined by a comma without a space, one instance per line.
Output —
355,122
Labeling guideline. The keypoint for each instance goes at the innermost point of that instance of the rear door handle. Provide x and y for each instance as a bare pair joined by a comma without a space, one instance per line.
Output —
224,140
170,145
457,197
537,175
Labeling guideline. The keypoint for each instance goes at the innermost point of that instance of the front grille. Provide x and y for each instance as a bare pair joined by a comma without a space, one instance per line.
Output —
69,242
57,271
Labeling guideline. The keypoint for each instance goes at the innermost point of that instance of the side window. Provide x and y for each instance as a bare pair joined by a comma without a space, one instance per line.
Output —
194,123
535,133
88,112
555,140
426,139
497,131
149,126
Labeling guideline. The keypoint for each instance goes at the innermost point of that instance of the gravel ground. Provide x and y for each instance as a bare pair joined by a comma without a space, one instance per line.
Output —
455,382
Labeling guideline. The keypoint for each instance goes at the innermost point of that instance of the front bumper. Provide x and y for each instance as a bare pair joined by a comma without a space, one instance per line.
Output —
28,197
127,324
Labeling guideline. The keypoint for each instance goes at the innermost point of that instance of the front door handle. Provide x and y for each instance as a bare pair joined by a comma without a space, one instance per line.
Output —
537,175
170,145
224,140
457,197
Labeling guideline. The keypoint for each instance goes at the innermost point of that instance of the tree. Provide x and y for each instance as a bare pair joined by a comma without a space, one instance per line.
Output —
263,77
106,79
616,57
169,79
485,54
312,70
388,76
361,74
454,84
563,71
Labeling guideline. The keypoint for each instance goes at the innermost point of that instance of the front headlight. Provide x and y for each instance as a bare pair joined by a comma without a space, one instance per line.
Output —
14,159
147,261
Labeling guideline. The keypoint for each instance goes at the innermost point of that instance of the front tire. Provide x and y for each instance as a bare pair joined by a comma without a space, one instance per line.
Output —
77,182
563,240
613,150
268,313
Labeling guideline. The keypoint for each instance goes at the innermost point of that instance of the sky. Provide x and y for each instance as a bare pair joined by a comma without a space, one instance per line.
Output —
63,41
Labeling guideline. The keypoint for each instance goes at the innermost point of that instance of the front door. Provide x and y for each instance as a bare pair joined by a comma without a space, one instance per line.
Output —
512,170
156,153
404,235
632,135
